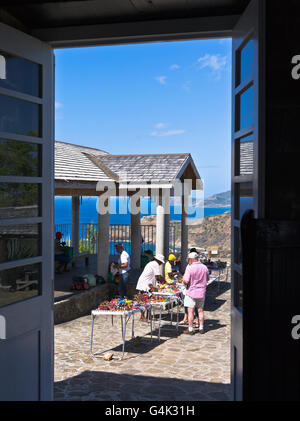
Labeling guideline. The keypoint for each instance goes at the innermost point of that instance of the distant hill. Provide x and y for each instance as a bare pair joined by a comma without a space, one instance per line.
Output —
211,231
214,231
219,200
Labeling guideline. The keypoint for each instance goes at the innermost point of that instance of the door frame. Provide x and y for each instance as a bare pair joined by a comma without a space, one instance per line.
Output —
134,33
175,30
249,27
40,307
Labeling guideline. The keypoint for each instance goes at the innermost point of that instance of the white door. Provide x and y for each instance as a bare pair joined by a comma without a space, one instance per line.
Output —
247,176
26,217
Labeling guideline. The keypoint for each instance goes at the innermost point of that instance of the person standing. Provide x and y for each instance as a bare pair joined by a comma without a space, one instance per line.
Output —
149,254
124,268
185,318
146,257
195,277
168,270
60,256
150,275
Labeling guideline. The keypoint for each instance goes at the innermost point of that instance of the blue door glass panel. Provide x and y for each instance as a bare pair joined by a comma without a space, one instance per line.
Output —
247,61
20,75
19,117
246,108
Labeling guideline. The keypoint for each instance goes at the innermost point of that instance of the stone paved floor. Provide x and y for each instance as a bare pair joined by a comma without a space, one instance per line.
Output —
179,368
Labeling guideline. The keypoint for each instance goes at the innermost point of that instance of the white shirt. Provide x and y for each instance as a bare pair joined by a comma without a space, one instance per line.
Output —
147,277
124,258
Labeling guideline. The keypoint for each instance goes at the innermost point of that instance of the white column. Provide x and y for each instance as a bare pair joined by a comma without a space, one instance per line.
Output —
103,245
136,243
160,229
75,224
184,237
162,224
167,226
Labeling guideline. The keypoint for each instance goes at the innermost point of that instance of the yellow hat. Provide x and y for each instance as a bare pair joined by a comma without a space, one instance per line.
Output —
172,257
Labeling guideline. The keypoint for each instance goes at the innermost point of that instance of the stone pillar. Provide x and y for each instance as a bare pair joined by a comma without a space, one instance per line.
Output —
184,237
103,245
136,238
75,224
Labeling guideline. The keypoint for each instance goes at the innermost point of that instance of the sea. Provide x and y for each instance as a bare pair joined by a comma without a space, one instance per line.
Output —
88,211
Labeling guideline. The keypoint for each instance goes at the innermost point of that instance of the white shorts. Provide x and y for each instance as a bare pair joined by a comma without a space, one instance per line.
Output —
193,302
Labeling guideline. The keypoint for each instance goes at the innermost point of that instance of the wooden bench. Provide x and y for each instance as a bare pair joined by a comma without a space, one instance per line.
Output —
77,257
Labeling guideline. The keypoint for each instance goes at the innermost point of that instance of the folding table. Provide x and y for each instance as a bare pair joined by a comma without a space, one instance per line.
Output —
220,271
173,299
125,317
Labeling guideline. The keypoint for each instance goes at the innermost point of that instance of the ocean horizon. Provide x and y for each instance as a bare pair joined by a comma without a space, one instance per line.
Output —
88,212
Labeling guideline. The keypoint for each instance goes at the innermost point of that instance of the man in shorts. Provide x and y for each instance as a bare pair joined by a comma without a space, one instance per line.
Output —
195,277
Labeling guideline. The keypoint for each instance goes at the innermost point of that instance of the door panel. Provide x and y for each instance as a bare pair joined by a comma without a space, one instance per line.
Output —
22,367
247,177
26,216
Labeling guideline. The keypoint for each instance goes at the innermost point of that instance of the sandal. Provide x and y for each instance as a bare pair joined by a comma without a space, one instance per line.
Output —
183,322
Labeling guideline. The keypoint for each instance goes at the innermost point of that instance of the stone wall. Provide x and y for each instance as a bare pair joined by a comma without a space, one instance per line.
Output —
82,304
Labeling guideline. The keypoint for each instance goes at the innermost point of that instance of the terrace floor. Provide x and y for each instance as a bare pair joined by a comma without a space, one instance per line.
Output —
63,281
178,368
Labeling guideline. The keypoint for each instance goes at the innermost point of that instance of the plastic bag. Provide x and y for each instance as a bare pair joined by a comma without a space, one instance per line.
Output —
91,279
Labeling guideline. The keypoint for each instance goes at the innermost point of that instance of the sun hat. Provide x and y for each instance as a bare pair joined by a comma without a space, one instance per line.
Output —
193,255
160,257
172,257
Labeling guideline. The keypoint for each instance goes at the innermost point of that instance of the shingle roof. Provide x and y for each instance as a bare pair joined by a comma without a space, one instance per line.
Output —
72,163
246,158
160,167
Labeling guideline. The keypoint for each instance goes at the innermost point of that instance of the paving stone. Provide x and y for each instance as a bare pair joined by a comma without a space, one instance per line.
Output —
178,368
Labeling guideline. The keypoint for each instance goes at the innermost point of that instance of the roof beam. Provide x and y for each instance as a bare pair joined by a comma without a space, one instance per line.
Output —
97,161
138,32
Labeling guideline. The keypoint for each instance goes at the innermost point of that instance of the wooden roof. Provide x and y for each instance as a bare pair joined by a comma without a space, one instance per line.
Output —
72,163
246,158
79,168
145,168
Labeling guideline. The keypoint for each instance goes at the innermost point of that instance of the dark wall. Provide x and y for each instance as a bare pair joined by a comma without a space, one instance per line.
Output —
271,246
282,110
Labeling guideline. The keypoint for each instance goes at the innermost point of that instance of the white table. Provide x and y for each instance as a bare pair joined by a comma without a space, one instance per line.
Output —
162,306
220,271
212,279
125,317
179,294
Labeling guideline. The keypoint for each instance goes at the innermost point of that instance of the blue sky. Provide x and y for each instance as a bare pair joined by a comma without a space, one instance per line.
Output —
150,98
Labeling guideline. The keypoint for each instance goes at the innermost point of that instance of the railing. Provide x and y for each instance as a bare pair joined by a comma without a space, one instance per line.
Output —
117,234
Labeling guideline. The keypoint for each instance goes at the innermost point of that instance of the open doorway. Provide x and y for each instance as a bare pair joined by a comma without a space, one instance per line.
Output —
27,118
153,100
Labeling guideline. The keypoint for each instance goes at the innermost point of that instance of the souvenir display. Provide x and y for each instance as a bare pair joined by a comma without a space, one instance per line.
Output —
118,304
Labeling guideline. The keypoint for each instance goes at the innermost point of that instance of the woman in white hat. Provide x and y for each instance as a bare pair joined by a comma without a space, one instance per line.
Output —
150,275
